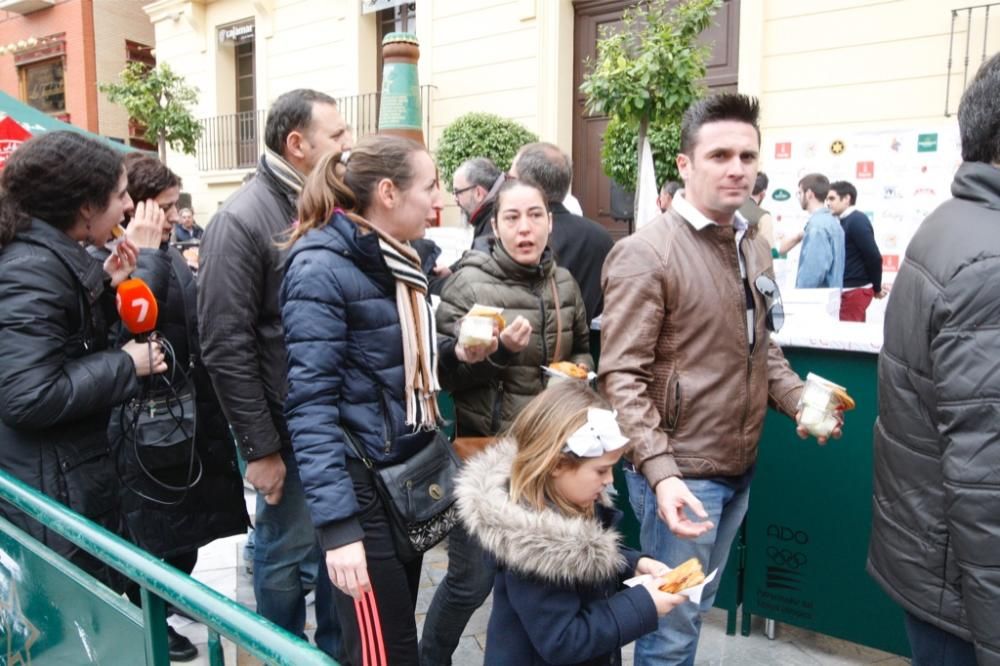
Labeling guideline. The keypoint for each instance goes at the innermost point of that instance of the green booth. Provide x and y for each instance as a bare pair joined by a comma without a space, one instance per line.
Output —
800,556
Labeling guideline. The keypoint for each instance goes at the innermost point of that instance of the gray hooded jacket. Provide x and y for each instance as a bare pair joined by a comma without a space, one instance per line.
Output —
935,543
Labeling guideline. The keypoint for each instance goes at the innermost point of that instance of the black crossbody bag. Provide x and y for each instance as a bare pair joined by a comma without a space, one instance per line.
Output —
418,494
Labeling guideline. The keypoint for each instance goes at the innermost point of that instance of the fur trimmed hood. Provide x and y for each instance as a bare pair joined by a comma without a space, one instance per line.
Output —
549,545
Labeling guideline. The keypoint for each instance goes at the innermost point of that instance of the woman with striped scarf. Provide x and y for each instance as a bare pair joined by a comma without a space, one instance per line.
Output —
362,359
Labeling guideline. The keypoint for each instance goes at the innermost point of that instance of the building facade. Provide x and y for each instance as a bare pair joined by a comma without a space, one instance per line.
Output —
850,65
54,53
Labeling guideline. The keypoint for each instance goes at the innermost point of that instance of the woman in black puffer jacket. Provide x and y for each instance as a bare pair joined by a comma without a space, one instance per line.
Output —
164,520
59,380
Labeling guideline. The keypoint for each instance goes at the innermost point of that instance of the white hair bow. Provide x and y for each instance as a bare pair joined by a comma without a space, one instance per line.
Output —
597,436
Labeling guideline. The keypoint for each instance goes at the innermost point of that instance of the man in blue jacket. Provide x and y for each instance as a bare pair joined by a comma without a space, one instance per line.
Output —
821,263
862,258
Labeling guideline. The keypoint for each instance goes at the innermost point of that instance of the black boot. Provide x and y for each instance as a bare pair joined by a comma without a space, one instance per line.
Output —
181,649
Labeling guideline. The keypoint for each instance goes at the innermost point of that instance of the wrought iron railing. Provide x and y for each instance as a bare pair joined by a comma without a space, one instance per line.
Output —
236,140
973,21
160,584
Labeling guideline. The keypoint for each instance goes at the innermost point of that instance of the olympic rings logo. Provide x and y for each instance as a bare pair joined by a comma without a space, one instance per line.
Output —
786,558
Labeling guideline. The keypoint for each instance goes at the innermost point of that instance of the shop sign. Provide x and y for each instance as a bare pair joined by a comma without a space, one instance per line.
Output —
372,6
927,143
236,33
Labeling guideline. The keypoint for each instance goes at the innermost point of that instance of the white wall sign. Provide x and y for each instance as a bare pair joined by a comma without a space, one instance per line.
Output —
236,33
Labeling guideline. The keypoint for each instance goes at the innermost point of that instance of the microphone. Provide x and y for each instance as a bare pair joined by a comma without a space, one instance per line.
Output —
137,308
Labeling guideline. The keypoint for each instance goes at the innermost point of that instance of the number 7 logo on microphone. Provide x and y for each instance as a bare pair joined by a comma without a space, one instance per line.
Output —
137,306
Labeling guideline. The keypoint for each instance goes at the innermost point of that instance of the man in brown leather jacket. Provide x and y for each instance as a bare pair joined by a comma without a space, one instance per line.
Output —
687,360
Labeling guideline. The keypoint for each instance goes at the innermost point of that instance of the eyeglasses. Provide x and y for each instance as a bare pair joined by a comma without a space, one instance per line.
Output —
462,190
775,318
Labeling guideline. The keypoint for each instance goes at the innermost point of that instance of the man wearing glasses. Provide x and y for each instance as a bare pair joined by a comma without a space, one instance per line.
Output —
687,359
474,186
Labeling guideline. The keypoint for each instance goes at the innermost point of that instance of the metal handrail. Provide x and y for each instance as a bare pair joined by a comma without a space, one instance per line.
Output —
236,140
258,636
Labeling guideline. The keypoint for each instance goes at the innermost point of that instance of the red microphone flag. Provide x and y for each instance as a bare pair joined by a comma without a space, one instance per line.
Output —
137,306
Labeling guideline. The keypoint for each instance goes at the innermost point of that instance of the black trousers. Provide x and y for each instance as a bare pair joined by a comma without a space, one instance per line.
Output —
382,626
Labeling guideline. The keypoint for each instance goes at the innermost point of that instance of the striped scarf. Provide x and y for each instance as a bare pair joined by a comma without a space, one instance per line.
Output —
284,172
419,331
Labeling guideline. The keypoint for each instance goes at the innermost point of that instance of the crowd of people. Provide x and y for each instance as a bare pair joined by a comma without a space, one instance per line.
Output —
308,343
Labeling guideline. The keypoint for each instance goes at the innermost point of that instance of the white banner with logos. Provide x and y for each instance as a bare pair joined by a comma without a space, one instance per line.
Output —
900,175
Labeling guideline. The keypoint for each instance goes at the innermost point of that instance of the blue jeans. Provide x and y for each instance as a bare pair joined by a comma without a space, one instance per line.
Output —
285,553
463,590
676,639
932,646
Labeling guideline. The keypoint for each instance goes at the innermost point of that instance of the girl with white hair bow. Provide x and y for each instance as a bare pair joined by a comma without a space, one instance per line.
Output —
537,502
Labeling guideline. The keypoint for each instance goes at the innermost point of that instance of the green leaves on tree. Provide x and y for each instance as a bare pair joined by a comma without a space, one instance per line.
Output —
160,100
480,135
648,70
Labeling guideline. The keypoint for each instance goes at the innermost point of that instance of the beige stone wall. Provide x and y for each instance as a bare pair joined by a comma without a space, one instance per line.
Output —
855,64
114,22
509,57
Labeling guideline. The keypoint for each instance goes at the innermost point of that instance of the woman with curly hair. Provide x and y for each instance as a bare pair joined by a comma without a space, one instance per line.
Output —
59,379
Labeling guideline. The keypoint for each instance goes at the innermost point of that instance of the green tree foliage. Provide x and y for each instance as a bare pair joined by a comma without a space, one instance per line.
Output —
161,100
645,76
621,145
480,135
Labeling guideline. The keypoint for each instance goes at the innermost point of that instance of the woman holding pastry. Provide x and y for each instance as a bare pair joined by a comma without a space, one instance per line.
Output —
537,502
543,321
59,379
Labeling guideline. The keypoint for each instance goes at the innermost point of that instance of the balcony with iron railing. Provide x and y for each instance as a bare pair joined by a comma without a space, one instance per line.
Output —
236,140
969,45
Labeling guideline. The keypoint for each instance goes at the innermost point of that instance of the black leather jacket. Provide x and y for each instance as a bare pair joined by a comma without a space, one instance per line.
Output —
59,382
242,341
213,507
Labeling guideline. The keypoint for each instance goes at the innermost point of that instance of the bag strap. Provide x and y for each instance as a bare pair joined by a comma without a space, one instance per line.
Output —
358,451
555,300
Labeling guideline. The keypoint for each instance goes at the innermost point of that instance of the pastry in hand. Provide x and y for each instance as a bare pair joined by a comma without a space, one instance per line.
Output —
569,369
684,576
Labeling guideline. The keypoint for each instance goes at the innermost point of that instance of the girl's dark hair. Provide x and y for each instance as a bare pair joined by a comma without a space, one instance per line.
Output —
352,187
148,177
51,177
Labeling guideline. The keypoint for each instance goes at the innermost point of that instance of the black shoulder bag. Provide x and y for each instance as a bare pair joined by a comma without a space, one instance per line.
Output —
418,494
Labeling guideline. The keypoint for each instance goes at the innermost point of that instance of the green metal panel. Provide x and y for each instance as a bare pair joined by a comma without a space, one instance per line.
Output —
810,517
52,612
260,638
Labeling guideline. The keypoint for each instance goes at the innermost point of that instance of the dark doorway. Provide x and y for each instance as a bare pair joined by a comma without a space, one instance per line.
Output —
590,184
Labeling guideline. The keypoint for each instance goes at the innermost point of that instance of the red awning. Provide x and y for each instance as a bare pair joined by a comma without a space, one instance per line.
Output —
12,135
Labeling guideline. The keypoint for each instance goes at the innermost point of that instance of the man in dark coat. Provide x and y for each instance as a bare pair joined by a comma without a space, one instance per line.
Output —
862,258
935,543
243,348
579,245
474,186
